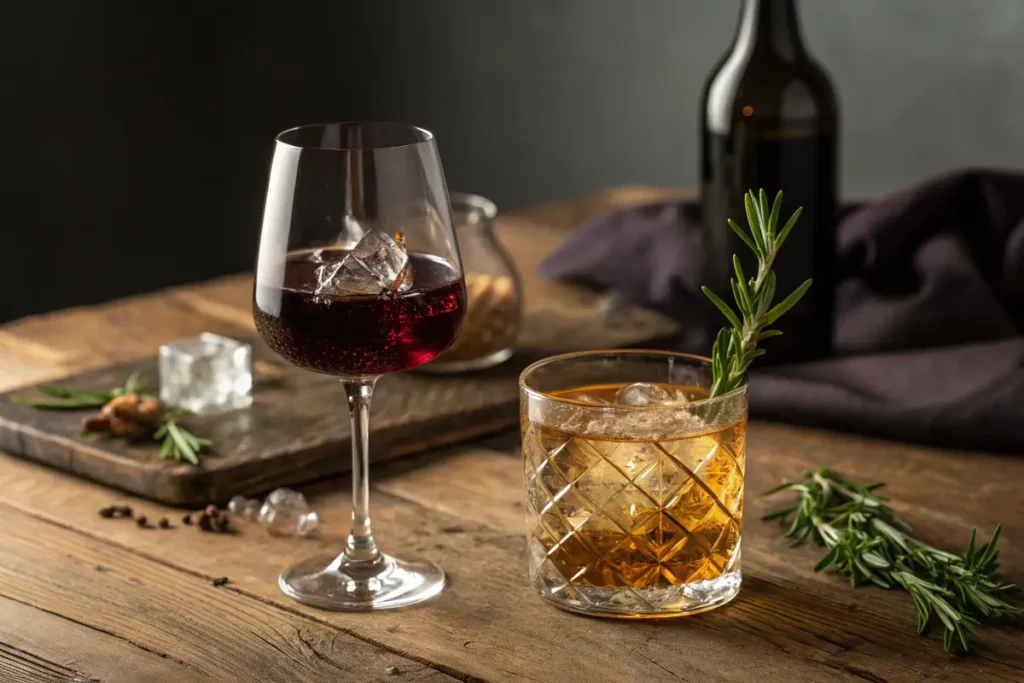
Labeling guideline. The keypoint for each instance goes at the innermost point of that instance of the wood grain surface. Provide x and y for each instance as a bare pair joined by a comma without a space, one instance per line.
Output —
84,598
297,428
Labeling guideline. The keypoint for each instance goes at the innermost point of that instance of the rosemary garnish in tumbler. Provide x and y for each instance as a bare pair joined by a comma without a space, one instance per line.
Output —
736,347
869,543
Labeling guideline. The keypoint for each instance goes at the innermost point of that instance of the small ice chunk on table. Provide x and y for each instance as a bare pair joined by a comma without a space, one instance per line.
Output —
285,512
376,265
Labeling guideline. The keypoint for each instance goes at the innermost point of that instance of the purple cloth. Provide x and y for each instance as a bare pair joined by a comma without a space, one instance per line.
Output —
929,309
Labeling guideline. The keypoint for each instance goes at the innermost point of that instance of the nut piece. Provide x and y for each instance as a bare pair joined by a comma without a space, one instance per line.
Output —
211,510
186,520
107,512
127,428
206,523
221,581
96,423
141,520
150,410
164,523
135,408
123,406
124,510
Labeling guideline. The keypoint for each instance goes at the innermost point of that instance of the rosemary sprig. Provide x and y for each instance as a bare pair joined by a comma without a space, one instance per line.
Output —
176,441
869,543
67,398
736,347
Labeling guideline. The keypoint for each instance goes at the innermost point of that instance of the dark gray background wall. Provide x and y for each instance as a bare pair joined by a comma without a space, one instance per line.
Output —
560,97
137,134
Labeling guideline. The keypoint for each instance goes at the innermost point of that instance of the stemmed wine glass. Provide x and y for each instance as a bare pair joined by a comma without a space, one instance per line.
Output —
358,275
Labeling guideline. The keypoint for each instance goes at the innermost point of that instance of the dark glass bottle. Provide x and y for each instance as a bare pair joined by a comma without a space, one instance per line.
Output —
769,120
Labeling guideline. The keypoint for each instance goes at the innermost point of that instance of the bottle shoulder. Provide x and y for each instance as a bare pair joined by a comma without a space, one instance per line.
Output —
766,90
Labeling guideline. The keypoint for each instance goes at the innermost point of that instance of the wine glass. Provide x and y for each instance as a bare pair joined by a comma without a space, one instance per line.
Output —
358,275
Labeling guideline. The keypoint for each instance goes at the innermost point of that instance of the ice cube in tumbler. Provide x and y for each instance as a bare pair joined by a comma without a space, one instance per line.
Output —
645,394
206,374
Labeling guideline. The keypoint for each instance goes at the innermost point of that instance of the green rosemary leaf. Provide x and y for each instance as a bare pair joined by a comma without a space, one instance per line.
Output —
786,304
183,449
754,221
722,306
781,239
135,384
57,403
773,218
744,236
81,394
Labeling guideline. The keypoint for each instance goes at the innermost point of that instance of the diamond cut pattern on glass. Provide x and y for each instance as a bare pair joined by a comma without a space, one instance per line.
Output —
625,526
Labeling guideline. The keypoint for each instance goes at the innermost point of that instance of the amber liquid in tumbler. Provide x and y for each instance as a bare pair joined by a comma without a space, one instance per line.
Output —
638,513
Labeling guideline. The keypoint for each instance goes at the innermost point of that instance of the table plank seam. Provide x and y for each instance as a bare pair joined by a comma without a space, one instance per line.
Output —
144,648
437,666
33,660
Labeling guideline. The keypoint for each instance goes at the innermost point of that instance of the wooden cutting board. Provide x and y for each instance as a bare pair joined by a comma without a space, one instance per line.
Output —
297,428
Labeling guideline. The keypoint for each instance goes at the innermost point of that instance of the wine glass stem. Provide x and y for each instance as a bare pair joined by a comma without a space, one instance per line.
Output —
360,546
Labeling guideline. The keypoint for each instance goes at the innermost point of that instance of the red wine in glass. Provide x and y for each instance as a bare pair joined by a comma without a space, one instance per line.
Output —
360,335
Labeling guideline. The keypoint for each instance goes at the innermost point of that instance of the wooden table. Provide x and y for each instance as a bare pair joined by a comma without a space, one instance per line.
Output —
89,599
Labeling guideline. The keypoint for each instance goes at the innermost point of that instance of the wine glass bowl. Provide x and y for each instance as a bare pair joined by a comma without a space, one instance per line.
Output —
358,275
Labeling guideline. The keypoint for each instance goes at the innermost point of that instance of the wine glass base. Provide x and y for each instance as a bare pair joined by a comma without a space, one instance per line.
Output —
330,582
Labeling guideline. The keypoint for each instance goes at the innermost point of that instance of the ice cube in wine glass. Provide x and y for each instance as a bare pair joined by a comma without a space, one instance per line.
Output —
376,265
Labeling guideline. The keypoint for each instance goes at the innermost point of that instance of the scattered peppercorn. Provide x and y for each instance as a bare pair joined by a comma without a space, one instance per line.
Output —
221,522
141,520
107,512
186,520
205,523
221,581
124,510
164,523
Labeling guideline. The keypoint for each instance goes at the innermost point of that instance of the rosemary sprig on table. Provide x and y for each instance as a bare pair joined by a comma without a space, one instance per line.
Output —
176,441
735,348
869,543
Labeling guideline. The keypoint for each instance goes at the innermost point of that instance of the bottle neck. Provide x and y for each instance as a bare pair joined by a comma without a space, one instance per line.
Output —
770,26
